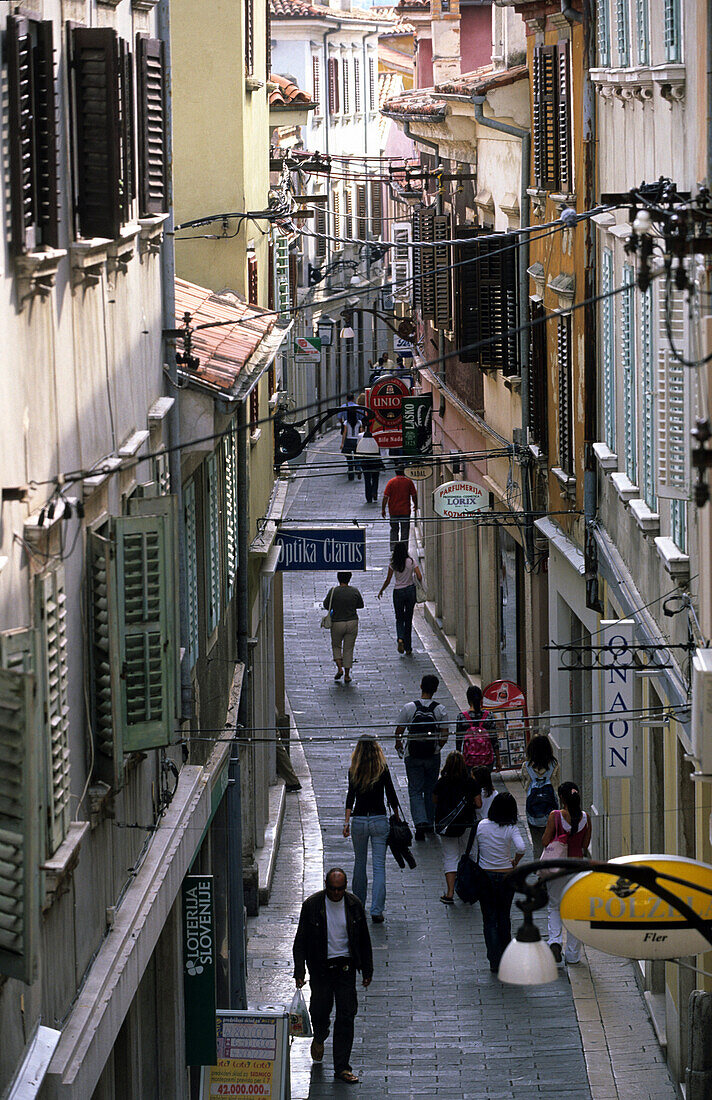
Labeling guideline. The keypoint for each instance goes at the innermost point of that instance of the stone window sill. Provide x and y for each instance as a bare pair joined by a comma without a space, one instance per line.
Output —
36,273
151,233
513,382
537,454
255,436
624,487
104,472
676,563
648,521
87,257
252,84
638,82
120,252
566,481
605,457
58,870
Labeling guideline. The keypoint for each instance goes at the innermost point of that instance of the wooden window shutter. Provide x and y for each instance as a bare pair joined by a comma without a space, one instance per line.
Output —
336,208
345,80
563,116
361,211
320,230
642,31
191,569
162,473
376,208
417,260
372,99
630,419
538,377
316,81
153,191
465,274
213,533
648,398
442,277
22,151
497,303
19,827
357,86
427,265
608,351
332,75
563,354
231,505
349,218
95,93
268,39
623,33
126,107
401,262
46,136
51,619
545,117
252,280
674,412
672,31
249,37
104,659
603,33
281,294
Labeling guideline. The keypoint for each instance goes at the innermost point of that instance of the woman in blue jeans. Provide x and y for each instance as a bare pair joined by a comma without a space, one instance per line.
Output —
404,569
499,846
370,784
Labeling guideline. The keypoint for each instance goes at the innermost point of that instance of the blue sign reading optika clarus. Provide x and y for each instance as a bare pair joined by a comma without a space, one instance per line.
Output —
321,548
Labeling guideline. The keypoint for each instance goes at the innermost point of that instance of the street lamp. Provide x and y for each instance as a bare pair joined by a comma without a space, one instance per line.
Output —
406,328
325,330
527,960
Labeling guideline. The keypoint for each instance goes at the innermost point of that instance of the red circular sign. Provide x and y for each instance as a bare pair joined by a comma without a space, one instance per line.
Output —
385,400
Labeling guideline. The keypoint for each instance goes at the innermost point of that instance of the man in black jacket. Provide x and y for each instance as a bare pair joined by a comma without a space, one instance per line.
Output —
333,942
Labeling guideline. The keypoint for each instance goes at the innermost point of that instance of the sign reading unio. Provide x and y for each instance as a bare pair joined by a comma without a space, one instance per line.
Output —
323,548
617,635
456,499
622,918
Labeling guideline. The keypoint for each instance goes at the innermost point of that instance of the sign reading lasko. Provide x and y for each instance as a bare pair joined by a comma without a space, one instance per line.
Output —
323,548
622,918
455,499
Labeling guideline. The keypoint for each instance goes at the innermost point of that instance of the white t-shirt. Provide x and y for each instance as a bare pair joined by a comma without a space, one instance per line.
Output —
337,933
405,578
496,844
487,800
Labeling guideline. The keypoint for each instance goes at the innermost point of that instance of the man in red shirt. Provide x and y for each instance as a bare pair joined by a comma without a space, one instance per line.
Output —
398,493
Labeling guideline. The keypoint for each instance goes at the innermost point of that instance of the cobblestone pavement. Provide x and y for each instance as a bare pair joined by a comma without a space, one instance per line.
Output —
435,1021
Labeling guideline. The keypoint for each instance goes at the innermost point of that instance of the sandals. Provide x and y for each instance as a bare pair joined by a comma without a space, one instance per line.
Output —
447,900
347,678
339,674
316,1050
348,1076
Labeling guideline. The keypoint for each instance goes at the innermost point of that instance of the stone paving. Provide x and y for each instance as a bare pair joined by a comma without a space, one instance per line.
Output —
435,1021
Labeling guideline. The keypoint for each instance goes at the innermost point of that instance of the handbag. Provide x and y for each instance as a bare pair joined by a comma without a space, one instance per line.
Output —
558,848
471,882
399,835
421,595
326,619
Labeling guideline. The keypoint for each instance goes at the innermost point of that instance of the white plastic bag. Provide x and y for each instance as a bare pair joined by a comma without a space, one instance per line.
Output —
299,1022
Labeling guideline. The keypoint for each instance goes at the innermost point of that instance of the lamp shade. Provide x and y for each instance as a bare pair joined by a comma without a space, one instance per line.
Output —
347,333
528,964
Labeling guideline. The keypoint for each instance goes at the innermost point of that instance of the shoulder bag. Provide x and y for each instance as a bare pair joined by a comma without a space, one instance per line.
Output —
558,848
326,619
471,883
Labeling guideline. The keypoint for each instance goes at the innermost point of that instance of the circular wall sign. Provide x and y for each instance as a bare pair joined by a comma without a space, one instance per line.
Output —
385,400
455,499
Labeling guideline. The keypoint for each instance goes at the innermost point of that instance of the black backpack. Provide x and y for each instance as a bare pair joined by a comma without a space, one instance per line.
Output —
541,799
423,737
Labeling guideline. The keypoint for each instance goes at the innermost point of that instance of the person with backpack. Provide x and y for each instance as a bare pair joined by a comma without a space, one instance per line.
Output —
476,736
456,800
482,778
540,776
423,724
570,826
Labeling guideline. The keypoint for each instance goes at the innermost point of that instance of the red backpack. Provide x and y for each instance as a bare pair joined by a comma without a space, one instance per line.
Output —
476,746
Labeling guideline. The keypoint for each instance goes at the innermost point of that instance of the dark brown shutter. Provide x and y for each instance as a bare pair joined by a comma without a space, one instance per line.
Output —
417,261
153,196
357,86
349,212
268,39
252,281
563,354
427,265
21,135
465,274
345,79
95,88
442,273
126,106
320,229
497,302
361,211
293,276
333,82
316,74
565,182
538,405
249,36
376,208
545,119
46,136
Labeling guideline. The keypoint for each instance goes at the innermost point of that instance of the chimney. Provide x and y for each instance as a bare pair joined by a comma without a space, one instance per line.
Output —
445,30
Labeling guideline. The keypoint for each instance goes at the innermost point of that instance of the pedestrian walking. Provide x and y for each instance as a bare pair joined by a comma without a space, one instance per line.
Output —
476,733
424,724
456,801
398,494
370,786
404,571
368,454
350,431
343,603
540,776
570,826
482,778
332,943
498,848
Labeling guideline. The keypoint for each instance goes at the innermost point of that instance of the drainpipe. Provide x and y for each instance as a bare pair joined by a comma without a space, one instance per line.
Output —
590,480
439,207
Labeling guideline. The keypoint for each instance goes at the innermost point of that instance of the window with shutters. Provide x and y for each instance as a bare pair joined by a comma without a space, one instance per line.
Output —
212,533
162,473
538,380
32,135
253,289
52,667
19,825
376,208
552,118
372,97
231,538
361,211
630,422
336,207
358,99
191,570
346,85
401,261
623,32
603,32
152,158
280,266
490,313
417,260
349,213
442,231
249,37
647,399
565,425
320,231
268,39
674,399
254,408
608,351
427,264
316,83
672,31
332,75
563,117
642,32
678,523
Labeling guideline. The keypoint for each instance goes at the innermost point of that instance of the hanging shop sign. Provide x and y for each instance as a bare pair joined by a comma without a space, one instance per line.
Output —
418,473
252,1055
417,424
307,349
199,970
507,704
456,499
388,437
402,347
385,401
320,548
623,918
617,636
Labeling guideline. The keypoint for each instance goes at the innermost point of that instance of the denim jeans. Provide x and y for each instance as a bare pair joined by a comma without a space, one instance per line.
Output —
422,773
375,827
352,464
370,478
403,604
496,920
400,530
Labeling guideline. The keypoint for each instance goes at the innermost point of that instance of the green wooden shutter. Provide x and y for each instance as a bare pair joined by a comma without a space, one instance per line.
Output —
51,618
678,523
608,346
642,31
674,413
672,30
628,366
19,827
281,276
213,535
603,33
191,569
231,505
623,33
648,402
103,660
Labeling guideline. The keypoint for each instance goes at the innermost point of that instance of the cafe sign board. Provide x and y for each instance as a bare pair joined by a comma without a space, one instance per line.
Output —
456,499
622,918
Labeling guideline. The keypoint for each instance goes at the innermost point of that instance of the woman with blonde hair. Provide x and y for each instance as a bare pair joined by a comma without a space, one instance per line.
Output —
369,781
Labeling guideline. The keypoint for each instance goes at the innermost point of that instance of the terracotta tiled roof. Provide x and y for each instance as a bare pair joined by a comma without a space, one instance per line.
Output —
301,9
412,5
297,9
223,352
288,94
426,102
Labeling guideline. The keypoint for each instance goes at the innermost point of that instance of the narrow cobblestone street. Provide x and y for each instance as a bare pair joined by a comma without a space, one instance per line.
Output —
435,1021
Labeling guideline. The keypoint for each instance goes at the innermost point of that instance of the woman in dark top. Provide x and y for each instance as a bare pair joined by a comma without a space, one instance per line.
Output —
343,603
454,789
369,781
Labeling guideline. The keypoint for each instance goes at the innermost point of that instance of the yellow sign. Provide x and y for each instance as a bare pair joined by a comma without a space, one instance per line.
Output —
622,918
252,1056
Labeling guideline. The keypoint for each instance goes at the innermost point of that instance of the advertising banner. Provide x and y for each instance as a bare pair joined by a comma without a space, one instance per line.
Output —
617,636
417,424
199,970
455,499
321,548
252,1055
385,400
307,349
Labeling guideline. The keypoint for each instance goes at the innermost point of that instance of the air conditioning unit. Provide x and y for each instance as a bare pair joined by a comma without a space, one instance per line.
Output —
702,709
